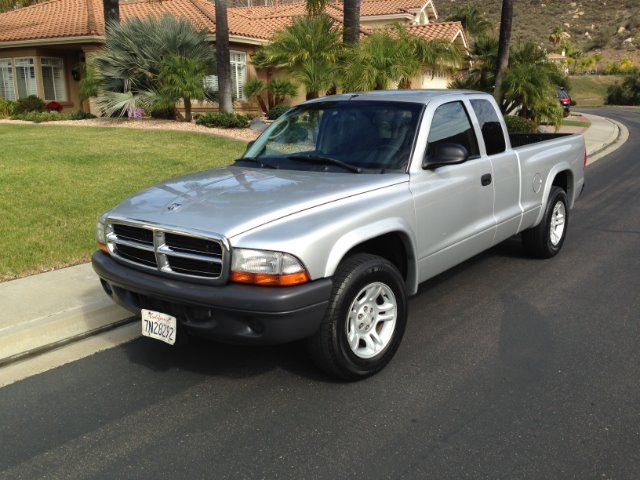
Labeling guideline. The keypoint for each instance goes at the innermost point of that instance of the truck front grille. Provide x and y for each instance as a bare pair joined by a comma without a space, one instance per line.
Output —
175,253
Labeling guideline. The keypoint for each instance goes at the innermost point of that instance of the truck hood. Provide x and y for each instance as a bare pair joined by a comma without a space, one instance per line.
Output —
232,200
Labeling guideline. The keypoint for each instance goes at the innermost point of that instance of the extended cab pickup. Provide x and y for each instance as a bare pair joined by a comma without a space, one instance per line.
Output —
332,218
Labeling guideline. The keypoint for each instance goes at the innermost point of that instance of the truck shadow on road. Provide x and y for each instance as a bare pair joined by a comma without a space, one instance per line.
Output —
213,359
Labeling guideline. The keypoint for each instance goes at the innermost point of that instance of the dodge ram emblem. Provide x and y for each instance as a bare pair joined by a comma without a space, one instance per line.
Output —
174,206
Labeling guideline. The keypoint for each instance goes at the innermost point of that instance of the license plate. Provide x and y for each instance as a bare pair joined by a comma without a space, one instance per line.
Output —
159,326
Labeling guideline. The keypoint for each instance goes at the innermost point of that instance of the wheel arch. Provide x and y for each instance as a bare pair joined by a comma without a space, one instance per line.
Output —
559,176
389,240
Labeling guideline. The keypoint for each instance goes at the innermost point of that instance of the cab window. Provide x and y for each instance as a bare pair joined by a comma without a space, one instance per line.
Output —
451,124
492,132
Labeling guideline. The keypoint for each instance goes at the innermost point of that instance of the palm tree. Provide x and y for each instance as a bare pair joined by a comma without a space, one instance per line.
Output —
280,89
351,20
484,53
181,78
223,57
253,91
8,5
557,35
472,19
530,85
394,56
111,9
309,49
127,70
315,7
506,20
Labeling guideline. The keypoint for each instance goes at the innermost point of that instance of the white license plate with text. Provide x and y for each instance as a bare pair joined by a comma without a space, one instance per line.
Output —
159,326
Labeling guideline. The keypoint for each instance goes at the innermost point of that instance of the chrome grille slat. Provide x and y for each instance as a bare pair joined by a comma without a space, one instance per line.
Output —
174,253
165,250
112,237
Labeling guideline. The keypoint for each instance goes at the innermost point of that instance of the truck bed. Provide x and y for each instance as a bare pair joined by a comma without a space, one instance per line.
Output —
522,139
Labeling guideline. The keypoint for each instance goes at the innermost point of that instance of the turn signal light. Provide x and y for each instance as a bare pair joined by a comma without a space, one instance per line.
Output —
103,247
265,279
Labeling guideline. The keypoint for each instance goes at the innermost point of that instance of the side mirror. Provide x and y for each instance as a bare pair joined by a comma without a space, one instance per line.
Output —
249,144
442,154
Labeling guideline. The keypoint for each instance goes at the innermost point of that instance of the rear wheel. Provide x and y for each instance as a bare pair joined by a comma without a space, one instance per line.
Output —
545,240
365,319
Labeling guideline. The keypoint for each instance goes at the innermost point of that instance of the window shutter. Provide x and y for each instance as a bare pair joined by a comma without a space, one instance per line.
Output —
26,77
7,89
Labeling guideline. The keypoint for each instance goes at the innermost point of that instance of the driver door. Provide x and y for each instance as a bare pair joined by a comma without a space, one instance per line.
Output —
453,203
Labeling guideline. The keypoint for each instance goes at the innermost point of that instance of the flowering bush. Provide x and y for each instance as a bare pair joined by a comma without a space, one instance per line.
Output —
54,107
135,112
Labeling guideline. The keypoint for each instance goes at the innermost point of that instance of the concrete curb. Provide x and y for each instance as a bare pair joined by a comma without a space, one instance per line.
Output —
49,310
607,135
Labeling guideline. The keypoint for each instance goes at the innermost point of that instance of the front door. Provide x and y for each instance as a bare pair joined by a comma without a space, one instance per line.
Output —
454,203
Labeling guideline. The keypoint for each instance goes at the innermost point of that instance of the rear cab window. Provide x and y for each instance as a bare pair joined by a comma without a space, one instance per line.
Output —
490,126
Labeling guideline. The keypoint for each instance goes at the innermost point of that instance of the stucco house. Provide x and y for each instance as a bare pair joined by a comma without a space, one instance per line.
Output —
42,47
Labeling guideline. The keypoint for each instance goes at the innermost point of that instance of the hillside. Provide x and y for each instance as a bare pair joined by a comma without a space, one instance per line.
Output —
611,27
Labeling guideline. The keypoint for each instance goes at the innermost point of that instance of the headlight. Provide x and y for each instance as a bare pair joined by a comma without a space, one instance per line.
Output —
101,233
261,267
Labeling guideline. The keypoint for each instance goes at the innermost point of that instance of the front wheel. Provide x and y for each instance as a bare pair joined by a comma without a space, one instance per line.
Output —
545,240
365,319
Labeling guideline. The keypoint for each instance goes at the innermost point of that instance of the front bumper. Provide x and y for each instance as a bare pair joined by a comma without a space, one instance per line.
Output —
233,313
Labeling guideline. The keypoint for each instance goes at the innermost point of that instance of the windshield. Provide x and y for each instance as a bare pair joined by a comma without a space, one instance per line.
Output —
358,137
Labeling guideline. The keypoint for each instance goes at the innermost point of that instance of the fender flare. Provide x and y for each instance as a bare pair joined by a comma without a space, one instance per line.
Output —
364,233
551,176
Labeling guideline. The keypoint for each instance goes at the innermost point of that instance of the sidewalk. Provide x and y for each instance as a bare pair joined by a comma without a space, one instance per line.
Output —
43,312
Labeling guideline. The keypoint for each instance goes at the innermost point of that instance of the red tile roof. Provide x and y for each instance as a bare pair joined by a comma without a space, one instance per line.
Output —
437,31
57,19
53,19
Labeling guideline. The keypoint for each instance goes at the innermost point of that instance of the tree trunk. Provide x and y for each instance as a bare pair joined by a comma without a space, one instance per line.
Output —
187,109
263,106
223,59
503,48
111,10
351,19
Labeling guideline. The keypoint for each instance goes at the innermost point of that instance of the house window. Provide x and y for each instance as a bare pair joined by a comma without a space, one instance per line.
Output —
238,73
53,79
7,89
238,76
25,77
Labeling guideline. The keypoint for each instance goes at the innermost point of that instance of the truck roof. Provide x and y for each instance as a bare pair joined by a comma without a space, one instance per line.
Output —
415,96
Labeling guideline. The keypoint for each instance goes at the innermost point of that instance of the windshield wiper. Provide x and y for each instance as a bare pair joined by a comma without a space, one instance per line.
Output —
255,160
326,160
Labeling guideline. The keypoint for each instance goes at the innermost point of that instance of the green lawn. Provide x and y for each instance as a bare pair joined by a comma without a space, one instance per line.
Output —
56,180
591,90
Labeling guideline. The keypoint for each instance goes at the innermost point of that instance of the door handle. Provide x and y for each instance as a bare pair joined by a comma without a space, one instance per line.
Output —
485,179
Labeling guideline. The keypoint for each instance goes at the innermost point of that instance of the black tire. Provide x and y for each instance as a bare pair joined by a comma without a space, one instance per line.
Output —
357,277
546,240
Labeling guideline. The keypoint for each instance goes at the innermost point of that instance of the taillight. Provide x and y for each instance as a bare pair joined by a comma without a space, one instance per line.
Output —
585,157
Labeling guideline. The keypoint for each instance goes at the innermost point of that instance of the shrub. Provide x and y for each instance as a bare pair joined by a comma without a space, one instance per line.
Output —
626,94
80,115
30,104
7,108
54,107
520,124
39,117
223,120
276,111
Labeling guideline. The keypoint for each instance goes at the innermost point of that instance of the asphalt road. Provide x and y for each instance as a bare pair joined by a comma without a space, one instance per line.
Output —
510,368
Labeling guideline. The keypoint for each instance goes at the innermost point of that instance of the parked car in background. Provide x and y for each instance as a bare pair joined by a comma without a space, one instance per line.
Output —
565,100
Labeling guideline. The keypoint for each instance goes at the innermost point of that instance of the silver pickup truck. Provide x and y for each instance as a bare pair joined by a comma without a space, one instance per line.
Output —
332,218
